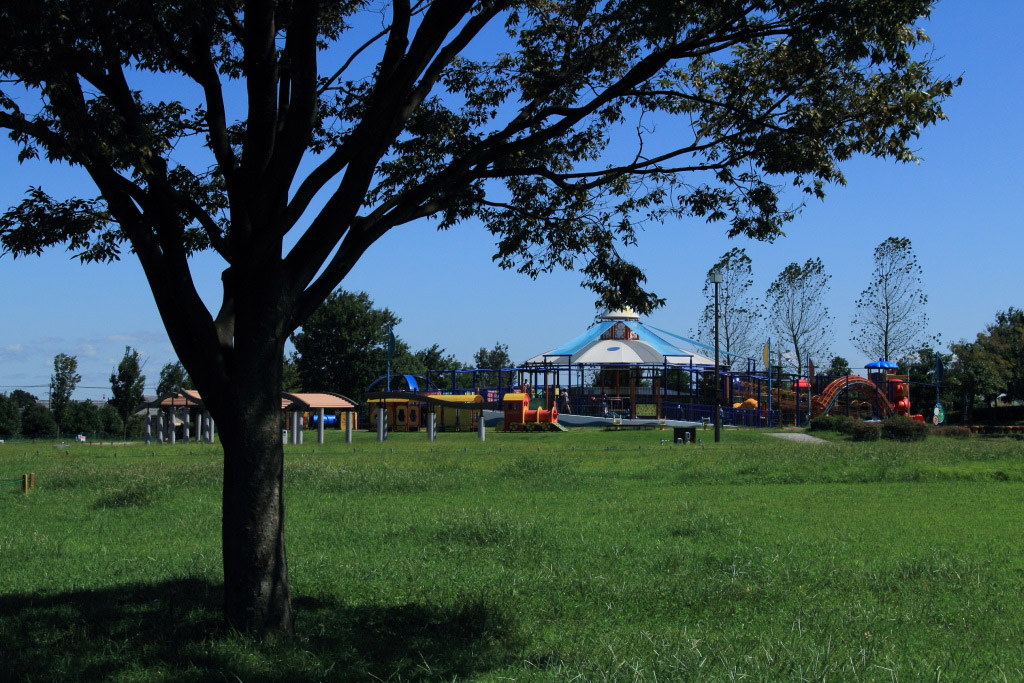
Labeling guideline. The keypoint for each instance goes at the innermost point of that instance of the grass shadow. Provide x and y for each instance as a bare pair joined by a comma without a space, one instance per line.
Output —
174,631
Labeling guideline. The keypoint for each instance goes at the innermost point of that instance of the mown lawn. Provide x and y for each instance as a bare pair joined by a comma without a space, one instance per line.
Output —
579,556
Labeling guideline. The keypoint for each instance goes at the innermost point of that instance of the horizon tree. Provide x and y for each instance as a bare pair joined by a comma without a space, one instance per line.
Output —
495,358
173,378
797,315
739,315
127,385
342,347
838,367
289,137
63,381
10,417
890,321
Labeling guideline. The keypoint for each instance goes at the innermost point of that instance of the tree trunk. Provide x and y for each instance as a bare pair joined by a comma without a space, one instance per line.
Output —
257,597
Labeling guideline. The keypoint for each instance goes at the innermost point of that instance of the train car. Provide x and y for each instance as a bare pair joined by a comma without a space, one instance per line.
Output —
403,415
454,413
520,417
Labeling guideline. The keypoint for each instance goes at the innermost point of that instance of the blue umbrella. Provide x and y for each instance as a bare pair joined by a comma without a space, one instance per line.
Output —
882,363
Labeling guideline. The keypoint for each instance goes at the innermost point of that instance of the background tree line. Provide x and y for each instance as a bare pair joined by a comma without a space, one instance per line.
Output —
890,322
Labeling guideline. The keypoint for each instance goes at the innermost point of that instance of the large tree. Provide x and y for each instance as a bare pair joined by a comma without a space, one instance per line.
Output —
1003,344
343,346
126,386
797,315
290,136
890,320
63,381
739,313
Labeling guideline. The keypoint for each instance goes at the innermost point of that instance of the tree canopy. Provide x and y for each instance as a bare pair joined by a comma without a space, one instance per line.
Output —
63,381
173,378
739,313
289,137
891,320
127,384
797,314
343,345
10,417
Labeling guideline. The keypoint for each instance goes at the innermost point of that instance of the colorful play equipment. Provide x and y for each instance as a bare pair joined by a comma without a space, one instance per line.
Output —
406,411
881,390
519,416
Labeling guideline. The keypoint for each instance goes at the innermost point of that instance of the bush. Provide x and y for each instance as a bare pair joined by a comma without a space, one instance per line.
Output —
846,424
823,423
954,432
37,422
903,429
834,423
866,431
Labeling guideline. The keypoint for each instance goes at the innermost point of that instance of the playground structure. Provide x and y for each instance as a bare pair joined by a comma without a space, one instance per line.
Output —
407,411
519,416
623,369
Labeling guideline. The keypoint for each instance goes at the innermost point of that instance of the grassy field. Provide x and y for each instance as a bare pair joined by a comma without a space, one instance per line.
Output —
580,556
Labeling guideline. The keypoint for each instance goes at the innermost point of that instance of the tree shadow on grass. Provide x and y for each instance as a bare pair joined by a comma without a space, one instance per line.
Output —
174,631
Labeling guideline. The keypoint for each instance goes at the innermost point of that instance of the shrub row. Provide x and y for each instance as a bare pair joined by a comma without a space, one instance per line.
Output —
895,428
835,423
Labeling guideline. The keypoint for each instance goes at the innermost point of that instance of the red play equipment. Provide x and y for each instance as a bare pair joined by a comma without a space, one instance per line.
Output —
520,417
871,392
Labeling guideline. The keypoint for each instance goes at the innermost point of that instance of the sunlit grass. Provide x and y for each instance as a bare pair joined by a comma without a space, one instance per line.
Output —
587,555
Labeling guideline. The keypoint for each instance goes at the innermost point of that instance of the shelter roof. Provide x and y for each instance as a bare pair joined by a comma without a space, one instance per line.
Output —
327,401
312,401
621,339
187,397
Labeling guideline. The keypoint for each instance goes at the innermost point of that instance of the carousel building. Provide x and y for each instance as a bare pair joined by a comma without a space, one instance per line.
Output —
622,366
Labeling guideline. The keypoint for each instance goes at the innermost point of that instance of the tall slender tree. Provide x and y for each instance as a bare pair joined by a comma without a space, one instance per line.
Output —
890,320
127,385
63,381
739,313
312,129
797,315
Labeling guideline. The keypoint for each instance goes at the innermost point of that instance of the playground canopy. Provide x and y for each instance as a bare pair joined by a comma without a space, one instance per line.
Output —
619,338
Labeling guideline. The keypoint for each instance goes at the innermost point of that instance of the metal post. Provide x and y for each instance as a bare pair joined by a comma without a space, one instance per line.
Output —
160,426
481,426
148,430
381,427
172,433
348,426
185,424
431,426
716,277
199,425
320,427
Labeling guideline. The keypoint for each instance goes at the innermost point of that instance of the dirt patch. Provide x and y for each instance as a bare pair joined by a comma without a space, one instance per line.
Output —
794,436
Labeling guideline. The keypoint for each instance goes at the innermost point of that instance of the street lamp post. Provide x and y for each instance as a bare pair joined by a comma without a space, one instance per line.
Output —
716,278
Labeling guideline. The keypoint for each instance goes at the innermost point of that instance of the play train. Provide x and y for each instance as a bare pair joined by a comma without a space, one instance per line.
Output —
407,411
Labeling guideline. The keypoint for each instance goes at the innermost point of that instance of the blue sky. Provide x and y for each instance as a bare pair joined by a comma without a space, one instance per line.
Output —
960,207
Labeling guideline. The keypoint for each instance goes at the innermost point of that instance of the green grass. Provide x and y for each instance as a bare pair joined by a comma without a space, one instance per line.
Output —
580,556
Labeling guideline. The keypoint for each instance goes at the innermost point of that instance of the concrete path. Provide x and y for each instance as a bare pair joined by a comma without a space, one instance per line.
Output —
797,436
